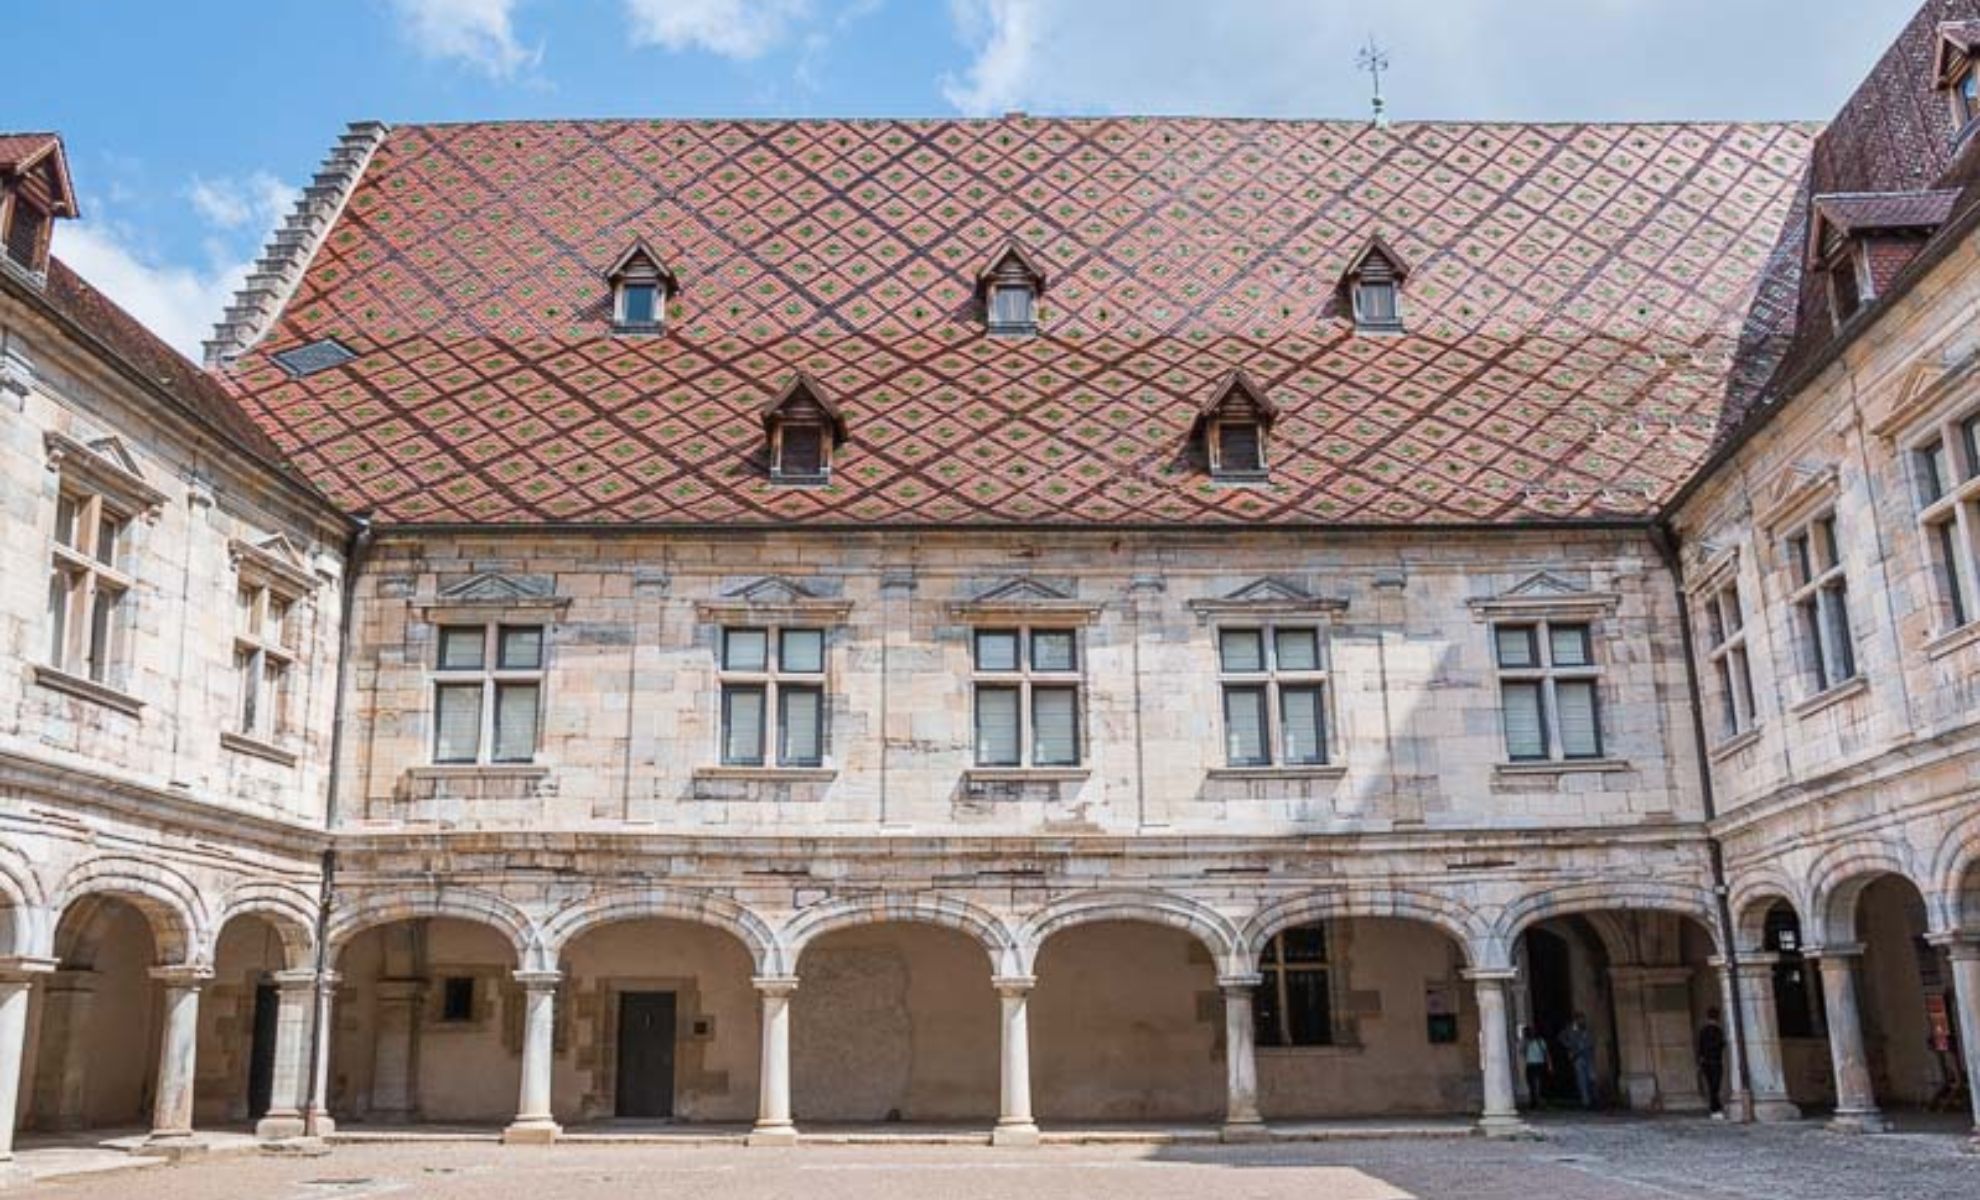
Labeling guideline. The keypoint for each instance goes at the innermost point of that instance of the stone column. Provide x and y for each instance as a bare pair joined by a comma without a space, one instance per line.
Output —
1964,951
172,1109
773,1101
1241,1119
288,1089
1015,1126
534,1123
1760,1023
1856,1097
17,976
395,1050
1501,1116
316,1106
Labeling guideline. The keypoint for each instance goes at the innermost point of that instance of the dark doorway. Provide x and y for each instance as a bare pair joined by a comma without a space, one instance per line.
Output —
261,1053
1550,988
646,1054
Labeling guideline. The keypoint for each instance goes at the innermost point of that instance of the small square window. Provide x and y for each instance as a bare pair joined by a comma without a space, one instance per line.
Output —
1240,449
1012,308
463,647
1569,645
996,650
521,648
745,650
457,999
1053,650
1518,646
802,651
1242,650
1297,649
801,450
1375,304
639,304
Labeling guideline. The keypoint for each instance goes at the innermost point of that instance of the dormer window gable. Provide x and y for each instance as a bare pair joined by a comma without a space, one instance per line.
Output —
35,191
1374,283
1235,429
802,427
1009,287
1859,242
1956,72
641,286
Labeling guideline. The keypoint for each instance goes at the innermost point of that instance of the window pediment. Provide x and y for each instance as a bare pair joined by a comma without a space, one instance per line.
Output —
1548,595
1024,600
108,467
1269,597
1799,488
489,594
774,600
273,561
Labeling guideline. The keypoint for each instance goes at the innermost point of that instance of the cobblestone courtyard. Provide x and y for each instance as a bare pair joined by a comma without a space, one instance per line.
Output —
1583,1161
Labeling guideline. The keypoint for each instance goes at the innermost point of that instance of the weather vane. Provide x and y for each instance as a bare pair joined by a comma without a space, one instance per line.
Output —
1375,60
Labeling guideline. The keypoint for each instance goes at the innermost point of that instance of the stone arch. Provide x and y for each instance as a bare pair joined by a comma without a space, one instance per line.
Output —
1750,907
25,928
169,901
1583,899
699,908
1955,873
1449,917
1227,946
990,930
465,904
1838,879
288,909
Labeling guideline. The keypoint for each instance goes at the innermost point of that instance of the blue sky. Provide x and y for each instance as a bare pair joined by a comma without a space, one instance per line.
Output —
191,122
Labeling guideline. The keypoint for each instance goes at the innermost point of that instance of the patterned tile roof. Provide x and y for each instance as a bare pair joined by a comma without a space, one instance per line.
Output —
1851,213
1584,310
17,148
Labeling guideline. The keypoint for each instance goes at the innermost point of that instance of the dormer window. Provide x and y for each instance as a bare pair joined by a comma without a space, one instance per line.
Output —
1234,427
802,427
1009,287
641,286
1860,242
1957,71
1374,285
34,191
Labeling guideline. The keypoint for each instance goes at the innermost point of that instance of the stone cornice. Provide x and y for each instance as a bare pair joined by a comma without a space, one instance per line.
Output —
75,787
1875,768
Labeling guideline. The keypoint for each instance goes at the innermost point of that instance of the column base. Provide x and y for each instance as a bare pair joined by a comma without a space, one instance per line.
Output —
1245,1131
1775,1110
279,1126
785,1134
1018,1133
1509,1127
175,1145
540,1131
1867,1121
319,1124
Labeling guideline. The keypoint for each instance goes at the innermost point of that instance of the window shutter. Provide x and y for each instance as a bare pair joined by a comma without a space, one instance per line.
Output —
1516,646
802,651
1054,727
1526,731
1569,645
742,726
745,650
521,648
997,726
1303,712
1581,734
1052,650
461,647
803,449
1238,447
457,723
1298,649
515,722
1244,726
802,721
1242,650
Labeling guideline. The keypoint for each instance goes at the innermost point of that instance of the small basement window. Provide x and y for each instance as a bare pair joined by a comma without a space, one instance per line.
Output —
457,999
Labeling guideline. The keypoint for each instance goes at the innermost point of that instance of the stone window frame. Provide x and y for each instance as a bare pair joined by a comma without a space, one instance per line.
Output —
1273,972
774,681
1546,672
1729,656
491,677
265,574
1027,680
1818,600
1946,497
1273,679
95,481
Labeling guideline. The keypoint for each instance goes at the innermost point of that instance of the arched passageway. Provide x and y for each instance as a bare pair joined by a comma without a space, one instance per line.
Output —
95,1023
240,1026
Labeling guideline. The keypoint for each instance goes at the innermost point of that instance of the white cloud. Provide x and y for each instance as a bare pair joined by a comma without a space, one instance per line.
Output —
480,33
258,200
1452,59
741,29
178,303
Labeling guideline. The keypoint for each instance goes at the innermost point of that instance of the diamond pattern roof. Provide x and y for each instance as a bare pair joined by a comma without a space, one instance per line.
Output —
1576,299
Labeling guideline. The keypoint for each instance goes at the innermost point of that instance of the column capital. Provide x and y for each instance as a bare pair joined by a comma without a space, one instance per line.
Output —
774,985
1840,952
1014,985
1498,975
302,979
25,968
539,981
1744,961
1958,945
1239,983
183,975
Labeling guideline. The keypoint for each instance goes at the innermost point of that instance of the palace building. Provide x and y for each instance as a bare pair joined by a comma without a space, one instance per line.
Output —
1023,624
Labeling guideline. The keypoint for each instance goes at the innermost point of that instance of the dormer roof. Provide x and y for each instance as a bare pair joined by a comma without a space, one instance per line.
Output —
1377,249
1011,258
1236,392
40,153
639,259
1957,42
799,390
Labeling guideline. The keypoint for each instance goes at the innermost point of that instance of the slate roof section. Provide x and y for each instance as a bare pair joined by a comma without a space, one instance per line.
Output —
1578,298
1863,213
18,148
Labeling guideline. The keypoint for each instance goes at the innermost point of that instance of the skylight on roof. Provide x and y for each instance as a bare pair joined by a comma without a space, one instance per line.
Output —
319,355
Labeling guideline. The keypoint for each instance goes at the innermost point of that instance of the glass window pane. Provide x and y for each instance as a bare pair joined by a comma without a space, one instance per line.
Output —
1378,303
1011,306
1054,727
1735,615
742,726
1969,433
801,723
1243,650
1933,475
1308,1010
515,721
1581,732
802,449
1052,650
102,628
107,528
1827,552
1304,944
1951,582
1244,726
66,512
745,650
1265,1010
996,650
801,651
457,723
997,726
274,625
58,619
274,697
1526,727
1728,705
639,303
1799,560
1302,710
1239,447
1518,646
522,648
1839,651
1569,644
462,647
1297,649
1743,676
248,679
